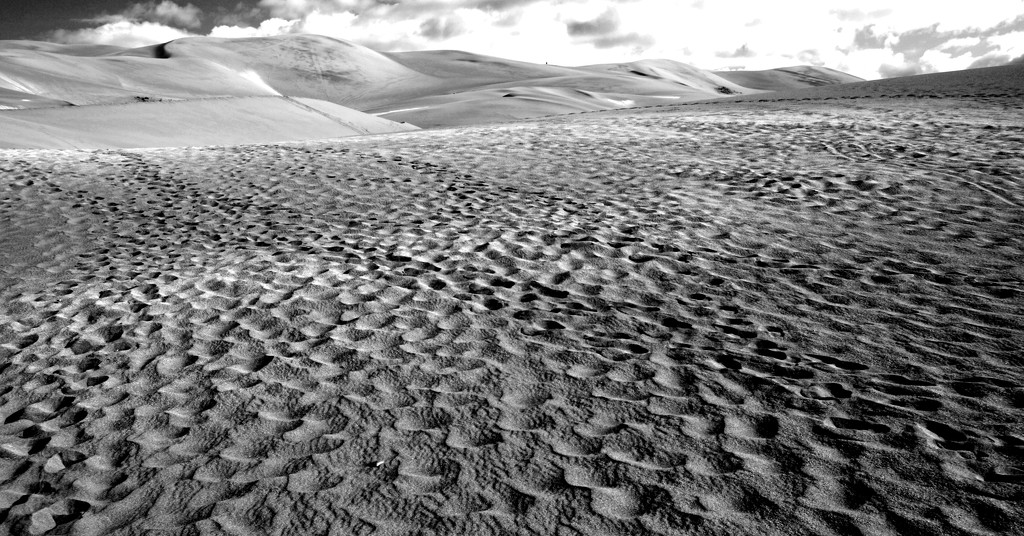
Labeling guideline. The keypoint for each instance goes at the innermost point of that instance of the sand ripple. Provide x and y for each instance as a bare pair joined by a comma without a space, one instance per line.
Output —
795,318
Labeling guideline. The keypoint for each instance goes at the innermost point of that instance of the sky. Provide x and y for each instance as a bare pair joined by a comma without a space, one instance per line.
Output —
868,38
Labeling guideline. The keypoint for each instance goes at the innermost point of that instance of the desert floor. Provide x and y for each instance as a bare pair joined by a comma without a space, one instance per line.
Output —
793,317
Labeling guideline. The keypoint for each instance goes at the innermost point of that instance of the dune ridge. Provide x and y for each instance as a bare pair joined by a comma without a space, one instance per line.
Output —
799,316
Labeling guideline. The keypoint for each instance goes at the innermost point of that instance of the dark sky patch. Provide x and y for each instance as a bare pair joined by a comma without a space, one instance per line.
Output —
238,15
865,38
186,16
980,49
914,43
637,41
439,28
606,23
498,5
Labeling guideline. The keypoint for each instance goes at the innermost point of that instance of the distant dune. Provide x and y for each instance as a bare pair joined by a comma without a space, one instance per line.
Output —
788,78
1002,81
426,89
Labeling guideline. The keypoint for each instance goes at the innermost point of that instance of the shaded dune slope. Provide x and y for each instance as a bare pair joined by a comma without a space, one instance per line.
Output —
794,317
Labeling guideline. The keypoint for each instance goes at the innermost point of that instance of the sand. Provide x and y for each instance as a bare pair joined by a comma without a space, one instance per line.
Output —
785,78
426,88
798,316
196,122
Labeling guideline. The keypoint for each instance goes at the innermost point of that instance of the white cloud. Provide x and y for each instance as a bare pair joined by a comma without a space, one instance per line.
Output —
903,37
267,28
123,33
962,42
166,12
937,61
1010,43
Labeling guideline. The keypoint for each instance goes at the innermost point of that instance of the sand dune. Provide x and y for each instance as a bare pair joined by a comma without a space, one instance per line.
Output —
788,78
512,103
434,88
798,316
474,89
675,73
301,66
106,79
1003,82
227,121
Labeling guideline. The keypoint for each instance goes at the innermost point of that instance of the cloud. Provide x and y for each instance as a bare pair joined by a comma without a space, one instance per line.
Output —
498,5
167,13
267,28
297,9
857,15
742,52
810,57
123,33
440,28
603,32
866,37
869,38
638,42
994,61
604,24
239,15
892,71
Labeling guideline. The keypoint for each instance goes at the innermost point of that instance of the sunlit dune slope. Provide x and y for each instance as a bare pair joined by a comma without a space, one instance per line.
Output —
503,89
229,121
302,65
83,79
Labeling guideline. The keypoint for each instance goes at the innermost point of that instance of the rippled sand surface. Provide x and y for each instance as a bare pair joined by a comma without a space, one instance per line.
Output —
796,317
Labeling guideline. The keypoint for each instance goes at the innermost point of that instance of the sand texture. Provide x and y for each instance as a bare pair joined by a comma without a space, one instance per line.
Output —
790,317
